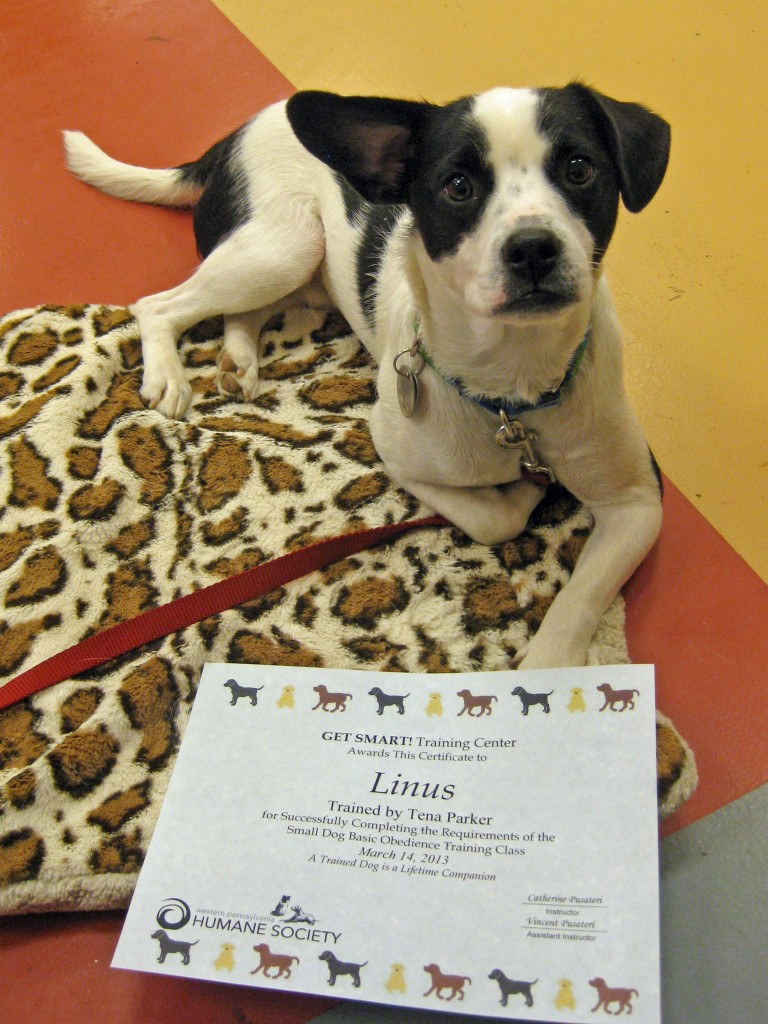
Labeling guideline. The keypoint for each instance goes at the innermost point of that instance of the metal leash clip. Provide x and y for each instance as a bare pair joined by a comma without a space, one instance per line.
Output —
512,434
408,378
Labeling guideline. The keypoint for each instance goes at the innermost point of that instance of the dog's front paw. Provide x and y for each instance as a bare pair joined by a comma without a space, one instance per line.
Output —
233,381
169,395
545,655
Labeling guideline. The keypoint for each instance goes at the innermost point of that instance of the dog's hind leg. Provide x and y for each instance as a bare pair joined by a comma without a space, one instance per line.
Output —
256,266
238,362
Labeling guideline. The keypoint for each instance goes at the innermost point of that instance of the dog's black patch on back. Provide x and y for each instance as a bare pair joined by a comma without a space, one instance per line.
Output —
568,120
379,225
355,206
376,221
452,143
223,206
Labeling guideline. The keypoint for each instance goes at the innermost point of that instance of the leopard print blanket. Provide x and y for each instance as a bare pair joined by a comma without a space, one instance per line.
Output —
108,509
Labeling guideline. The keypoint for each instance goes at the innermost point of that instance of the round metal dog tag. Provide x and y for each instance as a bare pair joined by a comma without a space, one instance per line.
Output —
407,392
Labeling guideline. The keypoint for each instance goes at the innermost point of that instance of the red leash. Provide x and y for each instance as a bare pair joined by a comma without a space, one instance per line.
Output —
185,611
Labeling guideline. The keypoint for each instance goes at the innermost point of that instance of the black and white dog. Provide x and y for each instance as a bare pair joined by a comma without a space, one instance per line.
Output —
464,245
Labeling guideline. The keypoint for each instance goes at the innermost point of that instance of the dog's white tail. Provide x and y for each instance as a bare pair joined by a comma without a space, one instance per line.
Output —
141,184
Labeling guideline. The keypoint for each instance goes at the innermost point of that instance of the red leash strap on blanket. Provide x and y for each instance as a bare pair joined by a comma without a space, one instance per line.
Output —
185,611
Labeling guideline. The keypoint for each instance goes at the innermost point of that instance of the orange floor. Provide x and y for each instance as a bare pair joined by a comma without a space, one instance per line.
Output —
155,82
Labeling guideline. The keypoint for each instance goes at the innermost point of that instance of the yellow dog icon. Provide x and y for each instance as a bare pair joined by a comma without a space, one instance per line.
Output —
435,705
285,700
396,981
577,702
564,999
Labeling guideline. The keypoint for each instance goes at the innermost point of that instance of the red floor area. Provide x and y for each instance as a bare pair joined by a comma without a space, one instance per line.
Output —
55,970
700,614
156,82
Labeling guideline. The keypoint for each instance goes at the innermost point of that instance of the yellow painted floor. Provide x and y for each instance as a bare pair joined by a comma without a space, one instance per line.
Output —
688,273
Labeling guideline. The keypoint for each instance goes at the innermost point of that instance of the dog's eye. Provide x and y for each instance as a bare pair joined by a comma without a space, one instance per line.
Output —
579,170
458,188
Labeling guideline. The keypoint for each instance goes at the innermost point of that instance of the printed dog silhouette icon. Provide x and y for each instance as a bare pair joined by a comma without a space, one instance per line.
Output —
441,982
530,699
435,705
225,961
330,701
337,968
512,988
577,702
239,691
169,945
286,698
281,962
475,706
564,1000
396,980
615,697
300,915
386,700
622,996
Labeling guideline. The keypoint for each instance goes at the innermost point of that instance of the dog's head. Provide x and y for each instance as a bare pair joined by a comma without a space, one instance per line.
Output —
514,192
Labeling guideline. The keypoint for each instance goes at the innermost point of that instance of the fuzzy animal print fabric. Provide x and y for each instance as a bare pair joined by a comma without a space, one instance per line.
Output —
107,509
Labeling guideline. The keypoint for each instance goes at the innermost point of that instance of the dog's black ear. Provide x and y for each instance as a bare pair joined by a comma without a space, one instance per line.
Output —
370,140
639,143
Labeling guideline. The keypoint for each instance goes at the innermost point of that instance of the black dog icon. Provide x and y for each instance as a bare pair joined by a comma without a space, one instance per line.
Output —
530,699
512,988
336,968
169,945
239,691
386,700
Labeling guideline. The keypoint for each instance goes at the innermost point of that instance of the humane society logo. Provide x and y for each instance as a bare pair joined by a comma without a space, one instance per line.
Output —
174,914
287,920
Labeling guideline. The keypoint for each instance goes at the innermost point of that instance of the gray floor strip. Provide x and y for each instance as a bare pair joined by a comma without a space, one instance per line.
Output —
714,887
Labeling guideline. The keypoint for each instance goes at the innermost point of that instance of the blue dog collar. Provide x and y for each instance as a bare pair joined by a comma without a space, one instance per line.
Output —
547,398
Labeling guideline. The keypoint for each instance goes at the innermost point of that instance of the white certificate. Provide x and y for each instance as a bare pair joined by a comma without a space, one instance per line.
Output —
482,843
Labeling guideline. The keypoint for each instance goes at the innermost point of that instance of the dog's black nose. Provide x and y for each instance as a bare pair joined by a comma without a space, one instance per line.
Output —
532,253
